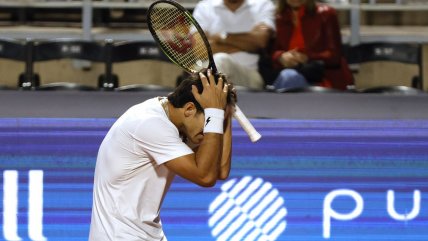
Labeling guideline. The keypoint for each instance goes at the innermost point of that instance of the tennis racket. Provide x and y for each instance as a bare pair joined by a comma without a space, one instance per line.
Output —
184,42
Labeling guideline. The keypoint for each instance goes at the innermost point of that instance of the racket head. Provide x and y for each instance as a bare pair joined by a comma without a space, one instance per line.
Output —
180,36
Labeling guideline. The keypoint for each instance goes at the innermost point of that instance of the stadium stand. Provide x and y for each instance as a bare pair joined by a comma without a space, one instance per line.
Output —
51,50
11,51
362,21
385,66
131,51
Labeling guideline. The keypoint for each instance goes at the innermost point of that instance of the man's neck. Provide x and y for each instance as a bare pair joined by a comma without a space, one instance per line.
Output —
233,5
173,115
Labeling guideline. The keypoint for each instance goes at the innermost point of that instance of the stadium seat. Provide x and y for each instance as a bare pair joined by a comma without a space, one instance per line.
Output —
64,49
15,50
394,90
309,89
386,67
127,51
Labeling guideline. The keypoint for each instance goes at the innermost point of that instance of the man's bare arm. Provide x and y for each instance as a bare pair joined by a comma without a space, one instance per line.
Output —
226,157
252,41
202,167
218,47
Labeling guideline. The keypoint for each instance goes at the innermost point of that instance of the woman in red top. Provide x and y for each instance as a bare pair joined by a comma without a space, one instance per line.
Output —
308,48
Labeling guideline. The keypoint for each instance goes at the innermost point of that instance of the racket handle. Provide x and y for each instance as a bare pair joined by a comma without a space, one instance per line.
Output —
246,125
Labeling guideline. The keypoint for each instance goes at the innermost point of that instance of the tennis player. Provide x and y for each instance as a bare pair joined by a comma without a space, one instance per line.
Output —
187,133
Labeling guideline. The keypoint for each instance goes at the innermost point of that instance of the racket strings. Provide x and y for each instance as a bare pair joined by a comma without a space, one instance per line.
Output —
179,37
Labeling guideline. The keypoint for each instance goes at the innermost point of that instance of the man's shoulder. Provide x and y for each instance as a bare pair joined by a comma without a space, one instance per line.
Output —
260,2
151,127
202,9
261,6
205,3
147,105
146,112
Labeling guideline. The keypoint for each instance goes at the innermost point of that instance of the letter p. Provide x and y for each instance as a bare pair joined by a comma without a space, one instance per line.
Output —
329,213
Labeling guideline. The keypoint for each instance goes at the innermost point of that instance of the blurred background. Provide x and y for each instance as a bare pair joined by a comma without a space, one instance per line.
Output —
361,21
336,165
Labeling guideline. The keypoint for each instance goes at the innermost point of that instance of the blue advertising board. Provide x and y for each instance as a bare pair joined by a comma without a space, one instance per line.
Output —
304,180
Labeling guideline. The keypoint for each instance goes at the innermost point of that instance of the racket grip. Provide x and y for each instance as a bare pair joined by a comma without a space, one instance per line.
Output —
246,125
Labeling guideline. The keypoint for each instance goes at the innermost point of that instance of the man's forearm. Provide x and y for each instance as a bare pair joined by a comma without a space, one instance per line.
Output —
252,41
225,162
244,41
224,48
208,156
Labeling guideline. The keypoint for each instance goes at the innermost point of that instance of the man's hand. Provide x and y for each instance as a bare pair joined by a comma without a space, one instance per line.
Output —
213,95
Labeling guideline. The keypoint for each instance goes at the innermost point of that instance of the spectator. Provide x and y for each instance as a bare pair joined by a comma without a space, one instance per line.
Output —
308,48
237,31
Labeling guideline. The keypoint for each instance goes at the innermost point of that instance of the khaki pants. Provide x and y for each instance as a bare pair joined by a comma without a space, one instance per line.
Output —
238,74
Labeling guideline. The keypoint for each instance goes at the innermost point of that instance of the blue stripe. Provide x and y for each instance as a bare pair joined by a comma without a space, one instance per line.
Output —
303,159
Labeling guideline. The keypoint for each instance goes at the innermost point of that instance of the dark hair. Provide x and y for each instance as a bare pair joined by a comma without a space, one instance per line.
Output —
183,93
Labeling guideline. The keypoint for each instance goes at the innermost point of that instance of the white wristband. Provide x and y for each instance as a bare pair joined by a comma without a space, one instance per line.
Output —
214,120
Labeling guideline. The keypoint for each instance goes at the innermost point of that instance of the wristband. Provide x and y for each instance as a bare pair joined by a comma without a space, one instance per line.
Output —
214,120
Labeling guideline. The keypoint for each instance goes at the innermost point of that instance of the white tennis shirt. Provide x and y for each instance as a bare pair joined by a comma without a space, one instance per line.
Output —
130,181
214,17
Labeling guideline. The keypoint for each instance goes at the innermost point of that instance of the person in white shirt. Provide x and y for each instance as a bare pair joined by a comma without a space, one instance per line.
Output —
237,30
187,133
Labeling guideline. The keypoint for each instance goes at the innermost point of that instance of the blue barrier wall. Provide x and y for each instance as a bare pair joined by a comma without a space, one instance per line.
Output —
305,180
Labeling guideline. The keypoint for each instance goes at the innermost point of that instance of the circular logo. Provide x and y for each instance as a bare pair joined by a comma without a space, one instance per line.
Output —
247,209
199,63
